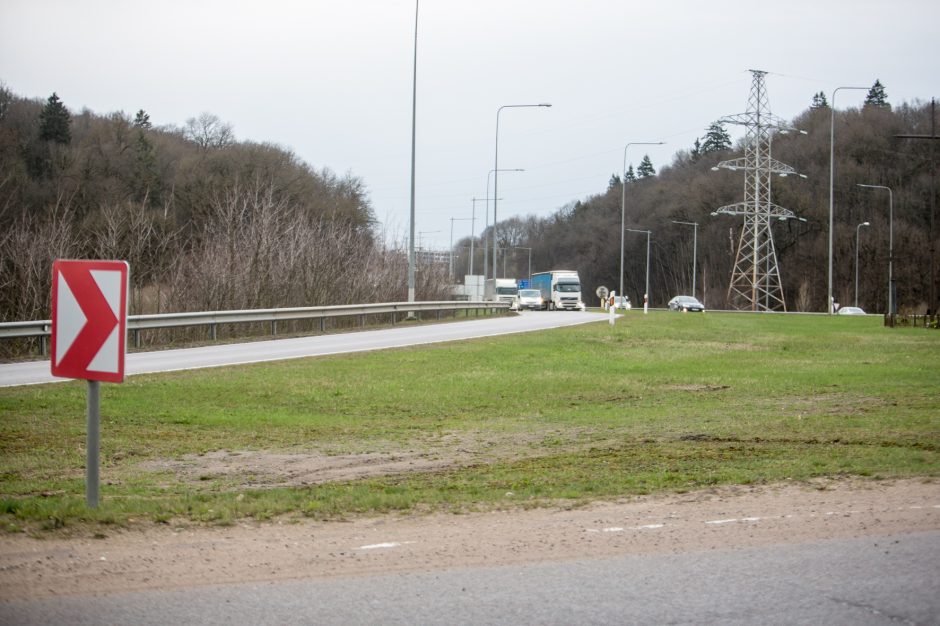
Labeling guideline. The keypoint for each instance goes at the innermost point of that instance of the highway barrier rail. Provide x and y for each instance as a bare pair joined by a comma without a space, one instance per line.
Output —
42,329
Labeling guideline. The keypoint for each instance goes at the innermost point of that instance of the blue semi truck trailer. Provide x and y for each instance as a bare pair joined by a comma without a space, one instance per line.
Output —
561,289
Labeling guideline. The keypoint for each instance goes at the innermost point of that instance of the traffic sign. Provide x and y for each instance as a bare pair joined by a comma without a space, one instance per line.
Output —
89,319
602,292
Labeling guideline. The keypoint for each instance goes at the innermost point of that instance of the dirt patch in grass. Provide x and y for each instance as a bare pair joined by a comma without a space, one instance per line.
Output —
260,469
265,469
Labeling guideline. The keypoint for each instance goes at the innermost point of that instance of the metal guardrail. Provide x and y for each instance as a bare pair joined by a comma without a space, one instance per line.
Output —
913,321
137,323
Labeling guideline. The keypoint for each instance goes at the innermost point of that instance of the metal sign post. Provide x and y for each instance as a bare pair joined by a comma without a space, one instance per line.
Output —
93,444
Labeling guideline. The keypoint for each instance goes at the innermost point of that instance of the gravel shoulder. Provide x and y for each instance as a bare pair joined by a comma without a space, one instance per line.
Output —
164,557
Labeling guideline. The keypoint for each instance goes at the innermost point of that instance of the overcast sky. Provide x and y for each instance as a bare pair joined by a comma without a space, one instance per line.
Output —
332,80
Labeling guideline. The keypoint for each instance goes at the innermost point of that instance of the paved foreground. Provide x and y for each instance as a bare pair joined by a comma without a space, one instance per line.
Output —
844,552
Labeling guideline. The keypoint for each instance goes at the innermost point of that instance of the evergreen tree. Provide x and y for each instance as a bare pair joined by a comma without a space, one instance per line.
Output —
614,182
819,101
696,150
630,176
145,183
877,96
142,120
716,139
54,121
645,169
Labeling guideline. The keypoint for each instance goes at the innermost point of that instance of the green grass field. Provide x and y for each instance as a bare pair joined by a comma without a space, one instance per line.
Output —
663,402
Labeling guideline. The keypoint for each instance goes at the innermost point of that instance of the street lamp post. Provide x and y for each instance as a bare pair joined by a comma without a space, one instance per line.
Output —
856,259
646,296
694,250
623,198
414,106
832,144
452,220
530,258
487,223
891,303
424,232
496,168
473,231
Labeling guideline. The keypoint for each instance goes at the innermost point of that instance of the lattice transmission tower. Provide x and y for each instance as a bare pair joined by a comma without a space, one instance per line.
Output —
755,280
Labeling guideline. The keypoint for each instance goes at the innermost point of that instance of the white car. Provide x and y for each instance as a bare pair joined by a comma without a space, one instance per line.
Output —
850,310
530,299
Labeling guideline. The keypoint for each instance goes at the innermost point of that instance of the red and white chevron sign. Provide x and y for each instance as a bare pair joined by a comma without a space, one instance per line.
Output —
89,319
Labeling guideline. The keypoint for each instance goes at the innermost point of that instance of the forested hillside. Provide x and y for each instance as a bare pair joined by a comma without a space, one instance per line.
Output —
206,222
585,235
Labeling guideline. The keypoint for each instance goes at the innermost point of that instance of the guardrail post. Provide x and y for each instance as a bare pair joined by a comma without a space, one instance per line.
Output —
362,321
322,324
212,332
136,337
273,327
42,345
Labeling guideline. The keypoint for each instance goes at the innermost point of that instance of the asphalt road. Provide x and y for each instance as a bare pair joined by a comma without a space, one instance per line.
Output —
875,580
36,372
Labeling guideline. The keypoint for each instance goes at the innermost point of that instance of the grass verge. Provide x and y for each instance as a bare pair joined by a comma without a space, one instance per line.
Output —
662,402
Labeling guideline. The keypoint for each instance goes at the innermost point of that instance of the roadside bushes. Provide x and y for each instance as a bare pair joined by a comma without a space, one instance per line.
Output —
254,248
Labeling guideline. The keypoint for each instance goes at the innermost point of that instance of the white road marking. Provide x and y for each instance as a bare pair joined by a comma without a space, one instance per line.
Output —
377,546
620,529
718,522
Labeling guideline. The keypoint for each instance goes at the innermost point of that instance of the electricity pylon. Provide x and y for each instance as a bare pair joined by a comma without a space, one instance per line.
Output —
755,280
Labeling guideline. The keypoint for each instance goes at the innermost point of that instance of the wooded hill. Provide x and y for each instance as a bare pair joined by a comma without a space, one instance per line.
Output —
206,222
585,235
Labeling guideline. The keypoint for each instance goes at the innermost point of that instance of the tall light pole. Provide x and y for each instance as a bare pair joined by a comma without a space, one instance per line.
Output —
487,224
414,104
694,250
647,294
623,198
425,232
496,168
832,144
530,258
452,220
473,228
856,259
891,303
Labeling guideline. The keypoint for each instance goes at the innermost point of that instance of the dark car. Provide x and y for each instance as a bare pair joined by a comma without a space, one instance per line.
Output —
686,303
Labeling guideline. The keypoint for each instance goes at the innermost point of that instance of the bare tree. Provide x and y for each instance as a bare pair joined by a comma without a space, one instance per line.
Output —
208,131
